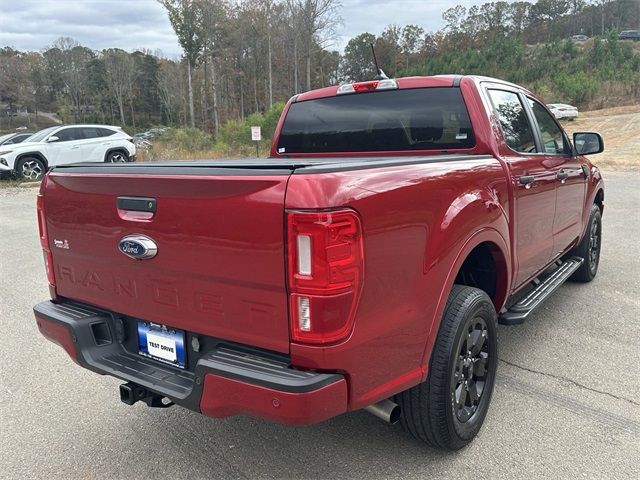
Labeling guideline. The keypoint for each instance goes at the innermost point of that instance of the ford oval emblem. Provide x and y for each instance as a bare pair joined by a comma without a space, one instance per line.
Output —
138,247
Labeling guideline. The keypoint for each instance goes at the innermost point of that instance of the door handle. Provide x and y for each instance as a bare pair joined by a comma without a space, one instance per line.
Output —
526,180
562,176
75,148
137,204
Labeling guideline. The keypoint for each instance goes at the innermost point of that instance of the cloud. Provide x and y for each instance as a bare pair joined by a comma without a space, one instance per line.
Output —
97,24
136,24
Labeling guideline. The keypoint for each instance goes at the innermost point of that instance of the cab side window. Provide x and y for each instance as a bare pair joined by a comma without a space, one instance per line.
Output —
553,140
514,122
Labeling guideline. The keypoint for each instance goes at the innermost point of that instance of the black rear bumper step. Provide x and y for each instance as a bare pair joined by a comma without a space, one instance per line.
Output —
519,311
184,387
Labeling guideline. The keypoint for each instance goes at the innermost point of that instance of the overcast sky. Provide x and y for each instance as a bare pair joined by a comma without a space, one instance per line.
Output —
134,24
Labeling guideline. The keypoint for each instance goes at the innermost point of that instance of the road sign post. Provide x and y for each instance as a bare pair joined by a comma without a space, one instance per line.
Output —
256,136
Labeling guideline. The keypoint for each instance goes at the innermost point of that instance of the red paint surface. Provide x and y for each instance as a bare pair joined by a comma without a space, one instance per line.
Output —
220,267
58,334
224,397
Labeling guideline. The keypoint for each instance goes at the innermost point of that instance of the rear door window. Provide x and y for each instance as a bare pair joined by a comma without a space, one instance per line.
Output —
512,116
90,132
397,120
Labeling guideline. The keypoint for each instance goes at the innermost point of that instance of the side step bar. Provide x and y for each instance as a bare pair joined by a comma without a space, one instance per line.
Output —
519,311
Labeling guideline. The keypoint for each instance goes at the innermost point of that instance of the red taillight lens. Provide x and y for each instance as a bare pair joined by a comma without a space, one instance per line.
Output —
326,267
365,86
44,240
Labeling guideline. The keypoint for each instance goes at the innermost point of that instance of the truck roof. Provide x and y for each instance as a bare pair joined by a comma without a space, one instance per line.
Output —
448,80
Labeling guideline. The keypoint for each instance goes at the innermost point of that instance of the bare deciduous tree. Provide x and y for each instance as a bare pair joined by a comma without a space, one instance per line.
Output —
119,75
187,19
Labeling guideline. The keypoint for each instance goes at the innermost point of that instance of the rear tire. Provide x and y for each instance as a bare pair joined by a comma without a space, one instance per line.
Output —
589,248
117,157
448,409
30,169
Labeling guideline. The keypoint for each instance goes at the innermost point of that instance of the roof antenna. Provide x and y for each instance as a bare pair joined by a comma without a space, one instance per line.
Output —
380,75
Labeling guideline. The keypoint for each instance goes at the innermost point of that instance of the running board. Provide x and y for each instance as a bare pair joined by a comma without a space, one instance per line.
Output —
519,311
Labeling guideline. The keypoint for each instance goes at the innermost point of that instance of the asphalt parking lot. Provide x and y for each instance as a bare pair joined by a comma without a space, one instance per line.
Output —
566,403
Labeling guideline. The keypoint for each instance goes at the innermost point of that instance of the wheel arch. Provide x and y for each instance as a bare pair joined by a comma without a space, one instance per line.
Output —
595,196
115,149
485,268
486,241
35,154
599,199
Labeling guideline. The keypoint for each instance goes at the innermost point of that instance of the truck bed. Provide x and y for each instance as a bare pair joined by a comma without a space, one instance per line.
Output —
219,227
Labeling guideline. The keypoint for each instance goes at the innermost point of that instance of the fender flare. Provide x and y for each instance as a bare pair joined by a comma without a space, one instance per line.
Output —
596,185
483,235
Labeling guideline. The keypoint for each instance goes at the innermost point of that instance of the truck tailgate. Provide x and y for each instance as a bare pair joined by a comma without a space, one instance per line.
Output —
220,264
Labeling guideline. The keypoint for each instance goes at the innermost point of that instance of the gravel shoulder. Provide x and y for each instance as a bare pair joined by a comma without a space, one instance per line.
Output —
620,129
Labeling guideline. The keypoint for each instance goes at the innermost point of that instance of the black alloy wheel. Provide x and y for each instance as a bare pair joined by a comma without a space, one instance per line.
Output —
470,370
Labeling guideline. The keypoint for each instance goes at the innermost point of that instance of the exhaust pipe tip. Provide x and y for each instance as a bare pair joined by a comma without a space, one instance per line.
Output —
386,410
394,416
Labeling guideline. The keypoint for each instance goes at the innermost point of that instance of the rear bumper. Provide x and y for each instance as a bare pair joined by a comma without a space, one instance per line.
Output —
226,379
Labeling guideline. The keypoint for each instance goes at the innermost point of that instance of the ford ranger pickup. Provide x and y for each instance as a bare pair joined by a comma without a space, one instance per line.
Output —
364,264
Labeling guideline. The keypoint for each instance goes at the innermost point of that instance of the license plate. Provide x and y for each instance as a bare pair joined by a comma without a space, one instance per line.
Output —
162,343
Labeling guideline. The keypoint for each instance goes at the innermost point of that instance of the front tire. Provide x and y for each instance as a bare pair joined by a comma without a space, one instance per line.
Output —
448,409
589,248
30,169
117,157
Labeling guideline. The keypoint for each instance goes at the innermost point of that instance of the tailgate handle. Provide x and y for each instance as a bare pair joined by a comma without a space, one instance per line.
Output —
137,204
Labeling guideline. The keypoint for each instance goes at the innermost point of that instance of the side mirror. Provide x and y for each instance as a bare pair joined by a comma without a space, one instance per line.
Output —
587,143
52,138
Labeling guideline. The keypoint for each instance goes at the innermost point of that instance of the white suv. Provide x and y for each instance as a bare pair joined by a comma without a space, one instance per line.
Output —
63,145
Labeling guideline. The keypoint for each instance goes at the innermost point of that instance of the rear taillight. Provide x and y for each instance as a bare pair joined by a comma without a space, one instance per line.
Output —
326,270
44,240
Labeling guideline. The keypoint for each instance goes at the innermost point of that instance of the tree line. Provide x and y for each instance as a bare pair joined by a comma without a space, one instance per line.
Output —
242,57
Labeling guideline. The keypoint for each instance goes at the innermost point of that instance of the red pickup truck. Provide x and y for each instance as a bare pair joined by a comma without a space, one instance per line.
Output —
365,264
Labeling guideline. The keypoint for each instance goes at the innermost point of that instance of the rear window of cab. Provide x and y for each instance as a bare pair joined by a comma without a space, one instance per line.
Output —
433,118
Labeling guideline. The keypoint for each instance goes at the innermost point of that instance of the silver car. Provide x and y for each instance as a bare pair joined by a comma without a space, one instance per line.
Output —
563,111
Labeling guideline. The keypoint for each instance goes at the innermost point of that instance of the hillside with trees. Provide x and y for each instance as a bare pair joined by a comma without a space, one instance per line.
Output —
245,58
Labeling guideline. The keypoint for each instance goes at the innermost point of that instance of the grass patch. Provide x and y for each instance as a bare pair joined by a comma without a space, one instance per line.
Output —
233,140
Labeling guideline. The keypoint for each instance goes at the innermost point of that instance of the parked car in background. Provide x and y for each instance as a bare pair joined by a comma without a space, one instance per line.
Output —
13,138
143,136
630,35
563,111
61,145
579,38
151,133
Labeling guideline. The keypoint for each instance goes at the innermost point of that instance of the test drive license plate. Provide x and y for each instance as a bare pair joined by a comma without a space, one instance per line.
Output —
162,343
